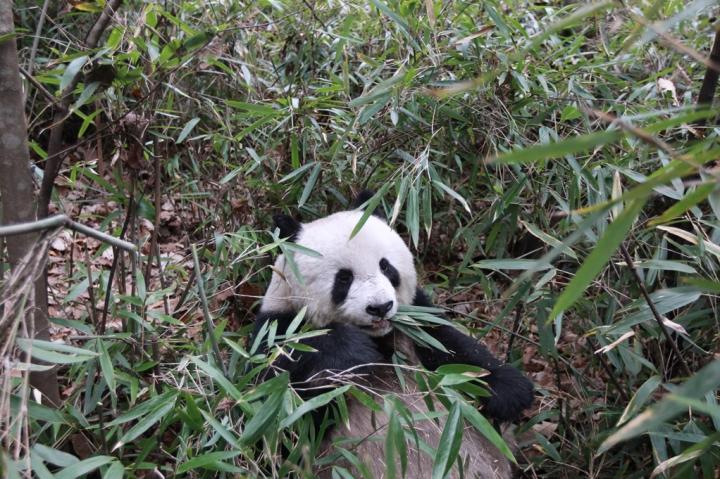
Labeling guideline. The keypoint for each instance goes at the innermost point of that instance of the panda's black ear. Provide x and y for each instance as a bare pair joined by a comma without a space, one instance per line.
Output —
363,197
289,226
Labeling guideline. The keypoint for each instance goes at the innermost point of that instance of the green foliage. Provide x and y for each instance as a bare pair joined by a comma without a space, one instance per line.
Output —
487,130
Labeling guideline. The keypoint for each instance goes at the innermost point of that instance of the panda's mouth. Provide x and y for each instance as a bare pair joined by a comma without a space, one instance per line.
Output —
377,325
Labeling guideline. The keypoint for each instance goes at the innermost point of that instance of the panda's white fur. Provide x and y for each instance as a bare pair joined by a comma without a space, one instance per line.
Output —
330,236
286,294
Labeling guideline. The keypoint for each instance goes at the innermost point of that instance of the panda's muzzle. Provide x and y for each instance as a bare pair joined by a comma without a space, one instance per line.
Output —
379,310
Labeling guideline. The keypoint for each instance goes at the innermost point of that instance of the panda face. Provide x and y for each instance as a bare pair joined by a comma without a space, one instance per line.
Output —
359,281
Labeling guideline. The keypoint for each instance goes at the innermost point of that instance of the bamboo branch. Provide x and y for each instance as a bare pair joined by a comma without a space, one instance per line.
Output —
63,220
206,310
656,314
116,257
39,86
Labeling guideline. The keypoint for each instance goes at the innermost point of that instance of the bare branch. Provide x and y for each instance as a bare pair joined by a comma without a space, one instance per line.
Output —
653,309
62,220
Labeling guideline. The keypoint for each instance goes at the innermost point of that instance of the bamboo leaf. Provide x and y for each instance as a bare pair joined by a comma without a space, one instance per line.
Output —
704,381
187,129
559,149
81,468
449,444
72,70
312,404
372,203
593,264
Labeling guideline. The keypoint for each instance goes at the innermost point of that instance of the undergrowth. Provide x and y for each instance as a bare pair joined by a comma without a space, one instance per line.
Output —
546,161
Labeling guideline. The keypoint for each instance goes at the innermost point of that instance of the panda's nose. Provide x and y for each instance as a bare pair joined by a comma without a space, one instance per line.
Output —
379,310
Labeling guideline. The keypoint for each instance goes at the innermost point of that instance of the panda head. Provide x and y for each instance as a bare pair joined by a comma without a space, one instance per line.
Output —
359,281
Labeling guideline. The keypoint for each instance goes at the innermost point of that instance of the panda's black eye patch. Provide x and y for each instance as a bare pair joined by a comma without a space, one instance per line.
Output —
341,285
390,271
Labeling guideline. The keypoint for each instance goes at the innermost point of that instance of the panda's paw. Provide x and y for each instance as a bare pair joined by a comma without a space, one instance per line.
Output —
512,392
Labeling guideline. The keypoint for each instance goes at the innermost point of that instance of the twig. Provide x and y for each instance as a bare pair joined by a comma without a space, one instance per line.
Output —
101,427
113,268
93,36
710,81
608,371
49,96
515,328
36,38
163,284
91,290
63,220
653,309
156,222
184,294
206,310
711,63
312,10
649,139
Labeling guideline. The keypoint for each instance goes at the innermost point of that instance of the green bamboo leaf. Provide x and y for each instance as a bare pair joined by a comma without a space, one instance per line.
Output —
393,438
144,408
688,201
146,423
297,172
115,471
83,467
702,382
486,429
106,366
449,444
54,456
76,291
72,70
576,144
54,353
639,399
665,265
312,179
114,38
217,376
511,264
372,203
691,453
593,264
412,214
266,414
404,28
453,193
370,110
664,300
312,404
546,238
140,283
254,108
38,412
211,460
224,432
187,129
39,468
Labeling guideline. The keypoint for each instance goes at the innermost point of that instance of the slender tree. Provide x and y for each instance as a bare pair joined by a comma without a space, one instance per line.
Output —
16,186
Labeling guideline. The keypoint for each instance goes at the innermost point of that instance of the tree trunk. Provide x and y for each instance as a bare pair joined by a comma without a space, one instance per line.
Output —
16,186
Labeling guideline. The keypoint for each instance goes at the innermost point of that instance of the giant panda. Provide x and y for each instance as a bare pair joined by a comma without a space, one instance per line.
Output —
352,289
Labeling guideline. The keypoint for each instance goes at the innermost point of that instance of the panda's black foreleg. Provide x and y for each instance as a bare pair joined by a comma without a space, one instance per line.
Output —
511,391
342,353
